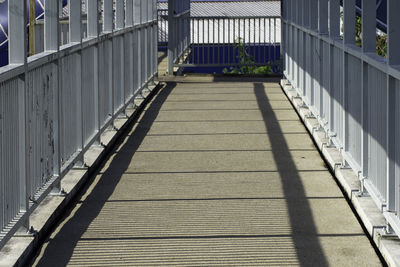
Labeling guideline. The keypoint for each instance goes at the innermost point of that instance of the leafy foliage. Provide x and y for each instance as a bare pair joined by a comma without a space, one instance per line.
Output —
381,38
247,63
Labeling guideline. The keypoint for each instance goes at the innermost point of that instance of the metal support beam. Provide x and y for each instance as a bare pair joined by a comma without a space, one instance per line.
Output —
120,14
16,31
349,22
32,21
306,13
393,43
108,16
92,18
334,19
136,12
171,36
368,26
51,38
18,55
313,15
323,16
75,21
129,13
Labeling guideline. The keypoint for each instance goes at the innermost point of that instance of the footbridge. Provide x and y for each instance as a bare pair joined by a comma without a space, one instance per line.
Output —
111,157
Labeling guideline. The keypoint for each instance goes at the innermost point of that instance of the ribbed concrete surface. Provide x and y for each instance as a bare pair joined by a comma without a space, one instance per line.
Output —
212,174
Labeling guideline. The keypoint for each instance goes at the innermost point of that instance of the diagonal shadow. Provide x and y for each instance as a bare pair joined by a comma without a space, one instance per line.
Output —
60,249
161,57
304,232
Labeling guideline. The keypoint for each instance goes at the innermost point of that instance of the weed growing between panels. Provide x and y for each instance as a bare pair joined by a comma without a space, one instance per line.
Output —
248,65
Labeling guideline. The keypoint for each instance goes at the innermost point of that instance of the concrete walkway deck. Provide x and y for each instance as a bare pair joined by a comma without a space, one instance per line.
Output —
212,174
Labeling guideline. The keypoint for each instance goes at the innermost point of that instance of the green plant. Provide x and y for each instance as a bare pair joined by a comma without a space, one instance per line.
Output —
381,38
247,63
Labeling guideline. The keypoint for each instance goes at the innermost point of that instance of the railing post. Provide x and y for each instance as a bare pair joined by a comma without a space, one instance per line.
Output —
16,33
137,45
334,19
75,21
93,32
155,34
323,16
293,9
131,48
368,46
313,15
334,34
108,16
119,14
306,13
129,13
368,26
393,59
75,36
349,21
313,5
51,25
51,43
18,56
92,18
144,41
171,36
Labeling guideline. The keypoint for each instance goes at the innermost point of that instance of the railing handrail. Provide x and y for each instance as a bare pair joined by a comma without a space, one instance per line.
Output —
59,102
235,17
352,91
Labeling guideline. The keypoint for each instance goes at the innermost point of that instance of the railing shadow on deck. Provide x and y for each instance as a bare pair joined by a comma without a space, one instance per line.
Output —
304,233
93,204
358,109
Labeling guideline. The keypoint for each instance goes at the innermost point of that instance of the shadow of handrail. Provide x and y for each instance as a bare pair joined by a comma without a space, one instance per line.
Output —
61,247
304,232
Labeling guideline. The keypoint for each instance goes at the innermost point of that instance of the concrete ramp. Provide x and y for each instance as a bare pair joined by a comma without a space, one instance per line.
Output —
213,173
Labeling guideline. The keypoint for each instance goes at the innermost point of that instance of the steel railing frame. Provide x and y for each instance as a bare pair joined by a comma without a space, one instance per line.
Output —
353,92
55,105
178,31
254,31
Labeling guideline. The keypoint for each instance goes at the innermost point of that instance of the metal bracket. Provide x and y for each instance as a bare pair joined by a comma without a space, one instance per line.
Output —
303,105
386,231
362,192
31,198
84,167
310,116
60,193
31,232
345,166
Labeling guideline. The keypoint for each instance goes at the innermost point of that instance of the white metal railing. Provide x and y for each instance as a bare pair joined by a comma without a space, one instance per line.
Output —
222,41
218,41
178,31
162,26
354,93
56,104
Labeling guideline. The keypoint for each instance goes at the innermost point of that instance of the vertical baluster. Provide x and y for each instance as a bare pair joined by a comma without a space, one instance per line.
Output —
108,16
171,37
129,13
119,14
393,59
348,39
93,32
18,55
51,43
75,36
368,46
323,16
138,63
